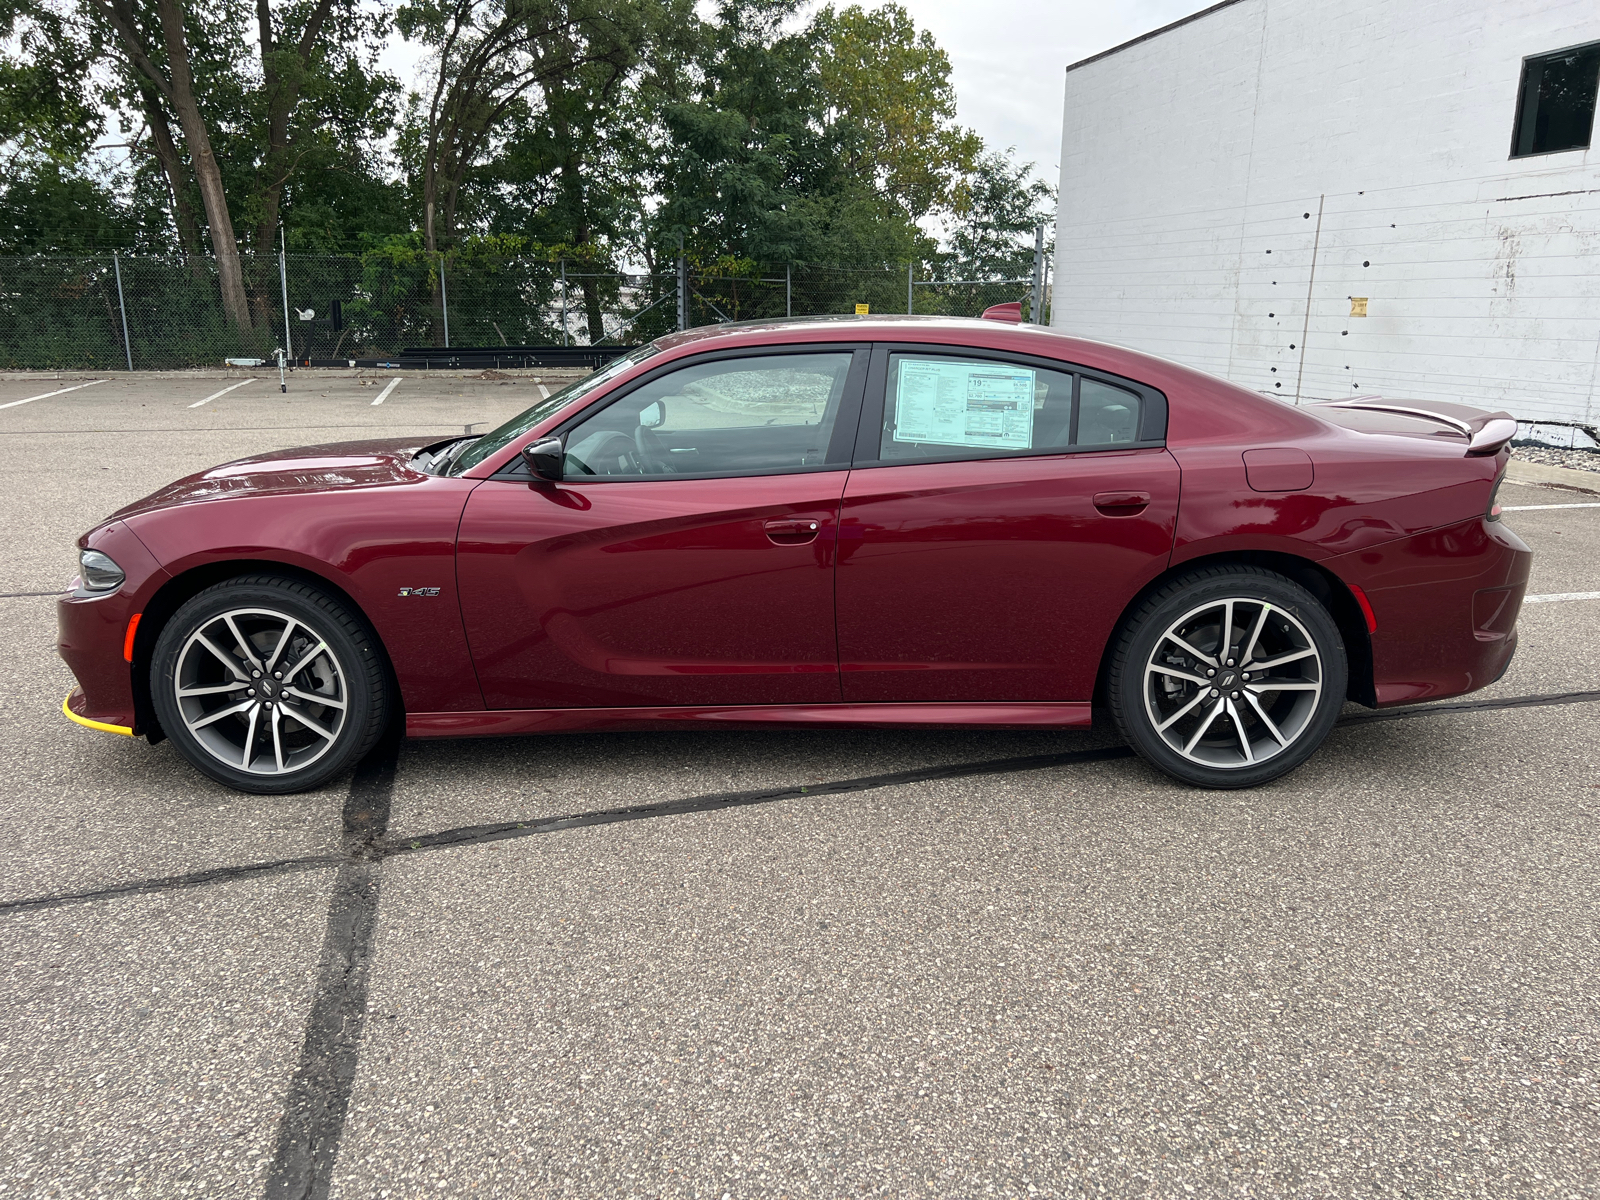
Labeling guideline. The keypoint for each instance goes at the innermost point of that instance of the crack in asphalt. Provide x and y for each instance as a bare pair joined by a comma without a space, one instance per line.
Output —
376,845
319,1093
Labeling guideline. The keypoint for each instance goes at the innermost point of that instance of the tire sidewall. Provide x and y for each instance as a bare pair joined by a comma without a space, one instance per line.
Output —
352,644
1149,624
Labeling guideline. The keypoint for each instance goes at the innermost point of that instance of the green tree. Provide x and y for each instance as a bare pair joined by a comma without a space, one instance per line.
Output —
997,207
890,107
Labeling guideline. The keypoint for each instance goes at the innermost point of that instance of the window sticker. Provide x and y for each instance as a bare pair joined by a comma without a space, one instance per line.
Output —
964,404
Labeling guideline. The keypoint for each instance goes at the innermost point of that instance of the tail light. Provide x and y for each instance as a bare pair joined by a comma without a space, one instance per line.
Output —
1493,511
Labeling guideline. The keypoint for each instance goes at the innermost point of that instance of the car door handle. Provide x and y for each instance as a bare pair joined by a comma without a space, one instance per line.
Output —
1121,504
792,531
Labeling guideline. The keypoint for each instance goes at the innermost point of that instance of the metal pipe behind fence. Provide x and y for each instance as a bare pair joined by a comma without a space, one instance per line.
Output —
283,278
444,301
1038,275
563,302
911,305
123,309
788,290
683,292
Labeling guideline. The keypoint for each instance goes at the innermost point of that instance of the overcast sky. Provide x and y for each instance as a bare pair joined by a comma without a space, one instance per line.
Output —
1008,57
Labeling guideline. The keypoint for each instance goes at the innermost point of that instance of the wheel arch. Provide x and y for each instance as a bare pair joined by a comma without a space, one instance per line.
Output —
178,590
1327,587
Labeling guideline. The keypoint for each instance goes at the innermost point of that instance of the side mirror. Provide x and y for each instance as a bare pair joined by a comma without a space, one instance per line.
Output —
545,458
653,415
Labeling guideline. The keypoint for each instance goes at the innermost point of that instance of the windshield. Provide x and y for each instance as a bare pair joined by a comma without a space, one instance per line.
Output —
526,420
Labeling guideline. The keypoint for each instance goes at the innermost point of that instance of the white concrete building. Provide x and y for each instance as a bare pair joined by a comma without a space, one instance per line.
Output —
1235,185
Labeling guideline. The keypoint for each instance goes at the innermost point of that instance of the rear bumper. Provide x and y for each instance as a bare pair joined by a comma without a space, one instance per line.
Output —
1446,605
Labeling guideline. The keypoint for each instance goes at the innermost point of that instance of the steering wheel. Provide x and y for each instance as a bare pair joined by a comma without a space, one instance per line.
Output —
653,458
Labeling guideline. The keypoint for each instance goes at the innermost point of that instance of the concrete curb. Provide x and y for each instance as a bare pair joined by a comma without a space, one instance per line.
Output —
1531,472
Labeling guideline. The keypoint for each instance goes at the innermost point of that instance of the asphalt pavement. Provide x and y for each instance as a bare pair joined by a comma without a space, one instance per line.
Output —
778,964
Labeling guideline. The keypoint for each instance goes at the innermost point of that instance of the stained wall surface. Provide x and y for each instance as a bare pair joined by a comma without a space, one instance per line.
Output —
1231,185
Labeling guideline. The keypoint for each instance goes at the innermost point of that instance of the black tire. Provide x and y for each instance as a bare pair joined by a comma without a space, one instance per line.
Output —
224,646
1253,732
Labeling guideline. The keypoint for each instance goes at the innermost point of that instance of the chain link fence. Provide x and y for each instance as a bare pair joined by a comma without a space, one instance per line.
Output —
113,311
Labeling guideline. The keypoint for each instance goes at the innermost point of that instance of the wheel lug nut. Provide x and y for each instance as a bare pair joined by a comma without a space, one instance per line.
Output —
1210,671
1236,695
255,674
1214,692
277,674
1230,662
251,692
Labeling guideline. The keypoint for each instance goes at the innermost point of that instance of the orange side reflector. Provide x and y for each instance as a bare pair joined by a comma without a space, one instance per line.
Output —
133,627
1361,599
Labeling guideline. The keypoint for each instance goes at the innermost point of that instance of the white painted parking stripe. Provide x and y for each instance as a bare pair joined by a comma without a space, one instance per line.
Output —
1538,507
543,391
57,392
383,395
1554,597
222,393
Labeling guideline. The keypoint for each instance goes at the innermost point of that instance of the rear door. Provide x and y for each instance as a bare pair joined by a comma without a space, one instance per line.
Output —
1001,513
687,557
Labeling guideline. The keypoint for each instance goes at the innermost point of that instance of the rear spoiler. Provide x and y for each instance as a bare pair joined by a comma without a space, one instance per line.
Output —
1486,432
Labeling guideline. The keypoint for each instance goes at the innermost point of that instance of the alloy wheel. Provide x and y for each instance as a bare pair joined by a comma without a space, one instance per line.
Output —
1233,683
261,691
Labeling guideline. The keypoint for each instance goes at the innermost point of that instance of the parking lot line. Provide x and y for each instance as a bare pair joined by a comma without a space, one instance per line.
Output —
222,393
1555,597
57,392
544,392
383,395
1538,507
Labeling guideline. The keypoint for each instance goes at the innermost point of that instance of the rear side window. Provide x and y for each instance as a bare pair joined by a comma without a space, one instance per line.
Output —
1107,415
951,408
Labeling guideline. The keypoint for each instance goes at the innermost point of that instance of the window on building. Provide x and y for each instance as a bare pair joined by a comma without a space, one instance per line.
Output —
1555,109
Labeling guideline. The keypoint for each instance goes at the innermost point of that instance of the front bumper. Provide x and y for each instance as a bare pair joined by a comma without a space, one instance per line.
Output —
92,635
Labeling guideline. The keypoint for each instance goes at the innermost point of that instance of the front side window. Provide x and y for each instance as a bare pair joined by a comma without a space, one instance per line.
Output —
760,415
495,439
1555,108
950,408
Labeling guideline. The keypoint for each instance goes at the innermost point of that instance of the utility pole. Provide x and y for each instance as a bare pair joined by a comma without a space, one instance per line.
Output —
1038,275
683,287
123,308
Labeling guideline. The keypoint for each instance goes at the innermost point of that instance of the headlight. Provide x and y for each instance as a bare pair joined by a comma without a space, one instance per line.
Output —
100,573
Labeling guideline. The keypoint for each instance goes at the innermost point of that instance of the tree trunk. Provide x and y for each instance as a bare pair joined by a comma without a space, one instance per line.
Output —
591,309
230,273
282,96
172,168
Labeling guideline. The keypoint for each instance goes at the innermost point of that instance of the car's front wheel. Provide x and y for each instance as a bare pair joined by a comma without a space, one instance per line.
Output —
1228,677
268,685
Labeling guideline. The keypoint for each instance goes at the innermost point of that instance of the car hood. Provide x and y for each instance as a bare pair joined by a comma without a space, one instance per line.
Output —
334,467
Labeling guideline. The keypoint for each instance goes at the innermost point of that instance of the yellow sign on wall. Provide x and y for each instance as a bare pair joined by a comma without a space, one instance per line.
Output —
1358,306
861,309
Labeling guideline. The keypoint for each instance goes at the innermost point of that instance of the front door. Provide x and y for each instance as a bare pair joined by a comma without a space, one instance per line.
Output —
1000,516
686,558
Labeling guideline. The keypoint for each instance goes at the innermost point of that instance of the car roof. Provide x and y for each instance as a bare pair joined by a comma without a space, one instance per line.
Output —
1037,340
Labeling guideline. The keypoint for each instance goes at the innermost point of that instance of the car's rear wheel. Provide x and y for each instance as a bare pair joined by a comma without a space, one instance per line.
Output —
1228,677
269,685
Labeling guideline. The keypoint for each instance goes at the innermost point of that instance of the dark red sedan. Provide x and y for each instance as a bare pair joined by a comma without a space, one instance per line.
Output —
884,521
